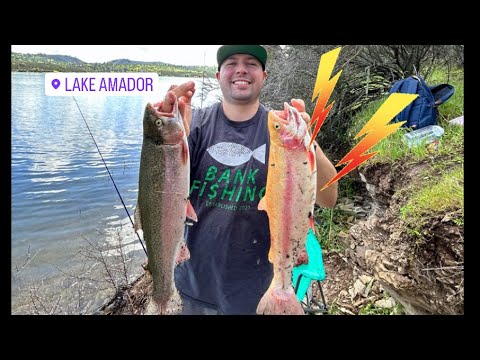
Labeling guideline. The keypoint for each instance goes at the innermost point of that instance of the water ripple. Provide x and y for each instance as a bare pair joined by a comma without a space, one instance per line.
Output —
61,191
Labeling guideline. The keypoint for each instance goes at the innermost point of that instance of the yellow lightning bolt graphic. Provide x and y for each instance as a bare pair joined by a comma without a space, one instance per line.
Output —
324,87
376,129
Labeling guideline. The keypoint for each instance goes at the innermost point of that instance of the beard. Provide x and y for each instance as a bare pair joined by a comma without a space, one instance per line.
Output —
233,95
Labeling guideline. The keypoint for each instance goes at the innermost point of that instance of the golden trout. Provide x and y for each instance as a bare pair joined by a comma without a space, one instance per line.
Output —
163,204
289,200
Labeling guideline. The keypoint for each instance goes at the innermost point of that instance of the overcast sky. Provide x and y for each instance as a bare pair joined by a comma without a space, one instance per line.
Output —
171,54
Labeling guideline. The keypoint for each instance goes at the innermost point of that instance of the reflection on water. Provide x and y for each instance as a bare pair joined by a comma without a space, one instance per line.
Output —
62,195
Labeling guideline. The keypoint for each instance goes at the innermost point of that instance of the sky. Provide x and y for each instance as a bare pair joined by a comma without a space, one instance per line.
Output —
171,54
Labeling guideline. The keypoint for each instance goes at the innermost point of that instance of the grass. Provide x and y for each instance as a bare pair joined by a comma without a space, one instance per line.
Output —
330,223
393,148
439,188
455,105
333,309
435,195
371,309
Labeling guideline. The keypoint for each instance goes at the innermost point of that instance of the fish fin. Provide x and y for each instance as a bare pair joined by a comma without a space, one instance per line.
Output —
279,302
181,109
270,255
145,265
302,258
137,220
311,222
191,214
311,159
262,205
185,151
271,252
183,253
170,306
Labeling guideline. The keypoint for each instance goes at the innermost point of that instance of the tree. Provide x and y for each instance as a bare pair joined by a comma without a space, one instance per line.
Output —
368,72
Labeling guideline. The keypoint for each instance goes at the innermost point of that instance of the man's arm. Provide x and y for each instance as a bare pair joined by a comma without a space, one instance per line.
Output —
325,172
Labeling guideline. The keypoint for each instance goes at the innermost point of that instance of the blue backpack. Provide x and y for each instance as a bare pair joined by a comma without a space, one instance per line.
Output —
423,110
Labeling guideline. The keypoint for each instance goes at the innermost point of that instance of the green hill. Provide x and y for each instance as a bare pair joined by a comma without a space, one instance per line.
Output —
65,63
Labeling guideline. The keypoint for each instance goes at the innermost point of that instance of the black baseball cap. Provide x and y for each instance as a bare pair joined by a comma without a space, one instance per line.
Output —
228,50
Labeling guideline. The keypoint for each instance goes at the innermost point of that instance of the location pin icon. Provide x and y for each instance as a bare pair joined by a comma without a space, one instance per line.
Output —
55,83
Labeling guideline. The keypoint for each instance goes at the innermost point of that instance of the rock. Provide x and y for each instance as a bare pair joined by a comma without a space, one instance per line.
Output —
365,279
368,288
385,303
358,288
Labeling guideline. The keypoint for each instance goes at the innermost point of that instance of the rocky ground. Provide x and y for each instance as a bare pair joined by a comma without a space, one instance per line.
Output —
346,290
423,271
381,268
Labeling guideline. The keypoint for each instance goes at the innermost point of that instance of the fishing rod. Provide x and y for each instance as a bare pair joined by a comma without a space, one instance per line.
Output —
111,177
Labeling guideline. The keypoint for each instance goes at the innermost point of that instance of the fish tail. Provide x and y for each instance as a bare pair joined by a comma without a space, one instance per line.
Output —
171,306
183,253
279,302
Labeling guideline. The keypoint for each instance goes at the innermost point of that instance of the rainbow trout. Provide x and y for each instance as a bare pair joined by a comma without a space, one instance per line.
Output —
163,204
289,200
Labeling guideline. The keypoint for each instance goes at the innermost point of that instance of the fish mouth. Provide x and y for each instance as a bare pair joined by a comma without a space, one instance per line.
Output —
164,128
292,127
292,113
289,117
156,111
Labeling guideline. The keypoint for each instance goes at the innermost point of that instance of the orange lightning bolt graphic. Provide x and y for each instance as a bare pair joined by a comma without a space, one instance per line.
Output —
376,129
324,87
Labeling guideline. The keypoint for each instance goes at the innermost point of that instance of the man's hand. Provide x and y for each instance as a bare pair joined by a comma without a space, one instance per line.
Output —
184,94
299,104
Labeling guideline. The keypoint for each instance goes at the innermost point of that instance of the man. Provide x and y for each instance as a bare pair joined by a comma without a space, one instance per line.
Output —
228,270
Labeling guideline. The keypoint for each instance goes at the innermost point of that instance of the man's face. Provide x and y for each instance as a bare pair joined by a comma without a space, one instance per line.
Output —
241,78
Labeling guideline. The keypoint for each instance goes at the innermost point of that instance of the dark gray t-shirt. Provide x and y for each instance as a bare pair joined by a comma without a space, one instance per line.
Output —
228,267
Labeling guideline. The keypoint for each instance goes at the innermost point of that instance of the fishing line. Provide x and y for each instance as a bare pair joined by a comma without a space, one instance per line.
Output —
111,177
203,80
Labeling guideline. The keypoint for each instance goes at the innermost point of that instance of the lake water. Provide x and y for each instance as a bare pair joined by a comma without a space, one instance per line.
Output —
64,203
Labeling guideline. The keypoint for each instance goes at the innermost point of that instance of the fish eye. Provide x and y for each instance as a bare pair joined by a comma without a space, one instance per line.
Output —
276,126
158,122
